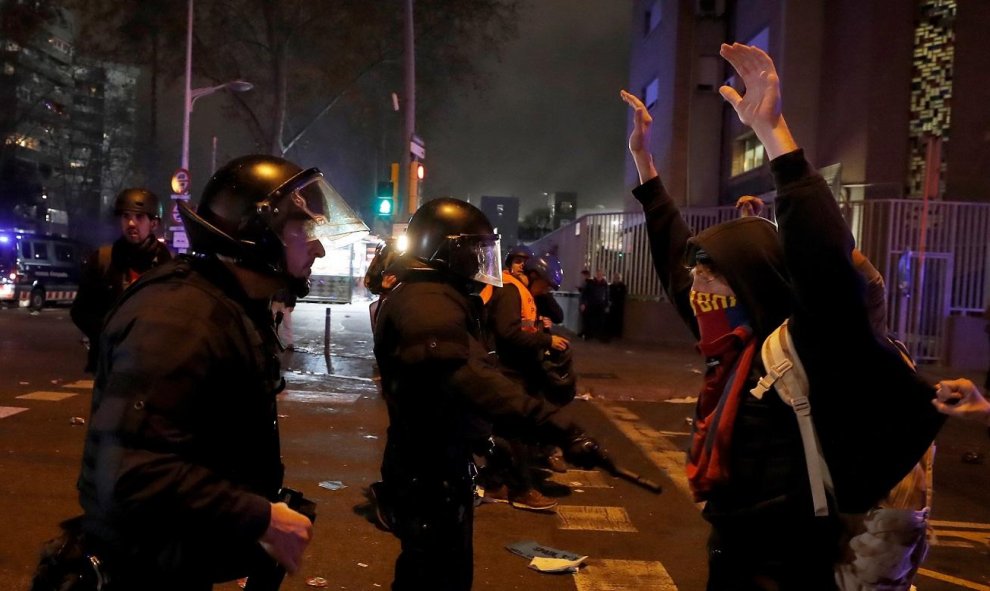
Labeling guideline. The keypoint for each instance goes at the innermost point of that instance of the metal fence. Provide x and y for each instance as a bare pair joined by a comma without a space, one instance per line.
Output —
930,276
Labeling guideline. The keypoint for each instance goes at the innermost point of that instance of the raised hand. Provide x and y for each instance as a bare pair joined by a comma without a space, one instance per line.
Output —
760,105
639,138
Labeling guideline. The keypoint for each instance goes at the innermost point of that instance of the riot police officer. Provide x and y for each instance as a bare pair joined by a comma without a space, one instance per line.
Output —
109,270
182,455
442,389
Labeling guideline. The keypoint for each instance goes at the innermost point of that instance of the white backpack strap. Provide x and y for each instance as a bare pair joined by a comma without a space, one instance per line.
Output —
786,375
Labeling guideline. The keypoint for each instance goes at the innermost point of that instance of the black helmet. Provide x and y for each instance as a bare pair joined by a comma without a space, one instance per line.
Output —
385,253
454,236
519,251
135,200
547,267
246,204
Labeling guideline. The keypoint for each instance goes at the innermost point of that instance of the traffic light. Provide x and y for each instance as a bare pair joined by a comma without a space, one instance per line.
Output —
385,200
416,173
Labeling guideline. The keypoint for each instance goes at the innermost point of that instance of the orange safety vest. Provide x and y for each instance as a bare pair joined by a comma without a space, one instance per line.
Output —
527,310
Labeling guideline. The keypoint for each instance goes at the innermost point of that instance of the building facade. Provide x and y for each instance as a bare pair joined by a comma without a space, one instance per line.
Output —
67,125
883,94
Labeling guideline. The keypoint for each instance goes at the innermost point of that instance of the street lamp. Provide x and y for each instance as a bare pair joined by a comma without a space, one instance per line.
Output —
195,93
192,94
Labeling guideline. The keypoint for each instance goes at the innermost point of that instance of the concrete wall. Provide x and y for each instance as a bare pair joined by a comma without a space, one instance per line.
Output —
967,343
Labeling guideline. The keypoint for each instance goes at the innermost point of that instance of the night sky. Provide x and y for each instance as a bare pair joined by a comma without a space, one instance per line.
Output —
550,119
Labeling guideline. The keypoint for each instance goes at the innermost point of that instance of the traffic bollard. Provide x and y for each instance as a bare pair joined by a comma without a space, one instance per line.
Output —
326,335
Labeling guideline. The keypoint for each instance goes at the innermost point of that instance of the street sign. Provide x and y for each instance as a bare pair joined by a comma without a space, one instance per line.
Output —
179,240
181,181
417,148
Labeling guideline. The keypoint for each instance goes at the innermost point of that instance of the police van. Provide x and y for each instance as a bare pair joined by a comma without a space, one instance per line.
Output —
38,269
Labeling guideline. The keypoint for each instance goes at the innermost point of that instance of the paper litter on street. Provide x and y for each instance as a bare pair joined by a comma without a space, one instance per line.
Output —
332,485
556,565
546,559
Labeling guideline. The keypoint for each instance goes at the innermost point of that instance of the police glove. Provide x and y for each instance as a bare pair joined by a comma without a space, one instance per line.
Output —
584,452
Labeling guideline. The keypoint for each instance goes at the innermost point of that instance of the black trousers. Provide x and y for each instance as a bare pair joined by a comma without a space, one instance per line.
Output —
435,525
773,553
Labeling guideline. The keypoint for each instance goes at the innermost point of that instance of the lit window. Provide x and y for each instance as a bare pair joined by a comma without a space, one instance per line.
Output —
747,154
654,14
651,93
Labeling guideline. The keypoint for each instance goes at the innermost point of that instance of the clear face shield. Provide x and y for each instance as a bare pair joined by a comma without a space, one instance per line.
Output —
476,256
327,217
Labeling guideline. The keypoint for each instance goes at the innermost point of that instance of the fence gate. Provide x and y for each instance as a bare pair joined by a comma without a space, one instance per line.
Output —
919,302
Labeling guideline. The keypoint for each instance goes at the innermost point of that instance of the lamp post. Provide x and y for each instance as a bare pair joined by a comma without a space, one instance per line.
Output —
191,94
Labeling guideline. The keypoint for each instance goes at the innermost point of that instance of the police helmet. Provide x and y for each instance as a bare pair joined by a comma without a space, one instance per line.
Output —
136,200
245,206
455,237
385,253
547,267
519,251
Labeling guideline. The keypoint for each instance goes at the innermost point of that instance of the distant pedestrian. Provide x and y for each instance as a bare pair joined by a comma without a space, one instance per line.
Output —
594,306
617,292
113,267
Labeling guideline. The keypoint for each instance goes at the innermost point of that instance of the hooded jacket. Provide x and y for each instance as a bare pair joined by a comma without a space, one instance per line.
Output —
873,427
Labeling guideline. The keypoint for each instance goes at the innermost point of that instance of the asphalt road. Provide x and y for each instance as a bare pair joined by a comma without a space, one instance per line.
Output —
333,424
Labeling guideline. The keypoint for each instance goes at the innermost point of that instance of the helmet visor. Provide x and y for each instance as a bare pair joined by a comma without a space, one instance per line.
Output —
478,254
327,216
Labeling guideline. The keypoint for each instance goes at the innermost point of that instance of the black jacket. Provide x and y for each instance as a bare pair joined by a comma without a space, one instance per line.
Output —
104,279
872,413
440,382
182,449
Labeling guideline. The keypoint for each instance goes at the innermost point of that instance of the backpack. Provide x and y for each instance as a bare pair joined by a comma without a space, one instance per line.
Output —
883,548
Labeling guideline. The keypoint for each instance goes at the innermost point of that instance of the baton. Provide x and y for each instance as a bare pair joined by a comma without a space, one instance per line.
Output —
631,476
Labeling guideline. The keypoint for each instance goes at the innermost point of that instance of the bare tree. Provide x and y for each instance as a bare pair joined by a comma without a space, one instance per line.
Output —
306,55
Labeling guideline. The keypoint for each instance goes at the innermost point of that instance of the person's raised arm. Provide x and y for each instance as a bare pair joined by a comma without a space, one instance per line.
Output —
639,139
759,106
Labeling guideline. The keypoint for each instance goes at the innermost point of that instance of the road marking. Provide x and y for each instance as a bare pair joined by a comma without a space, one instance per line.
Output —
9,411
954,580
966,533
594,518
660,449
81,384
320,396
959,524
623,575
581,479
49,396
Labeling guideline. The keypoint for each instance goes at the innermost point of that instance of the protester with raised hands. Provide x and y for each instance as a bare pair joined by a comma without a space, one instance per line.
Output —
773,480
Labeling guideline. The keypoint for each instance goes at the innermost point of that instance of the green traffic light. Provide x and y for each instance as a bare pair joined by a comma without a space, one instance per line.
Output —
384,207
